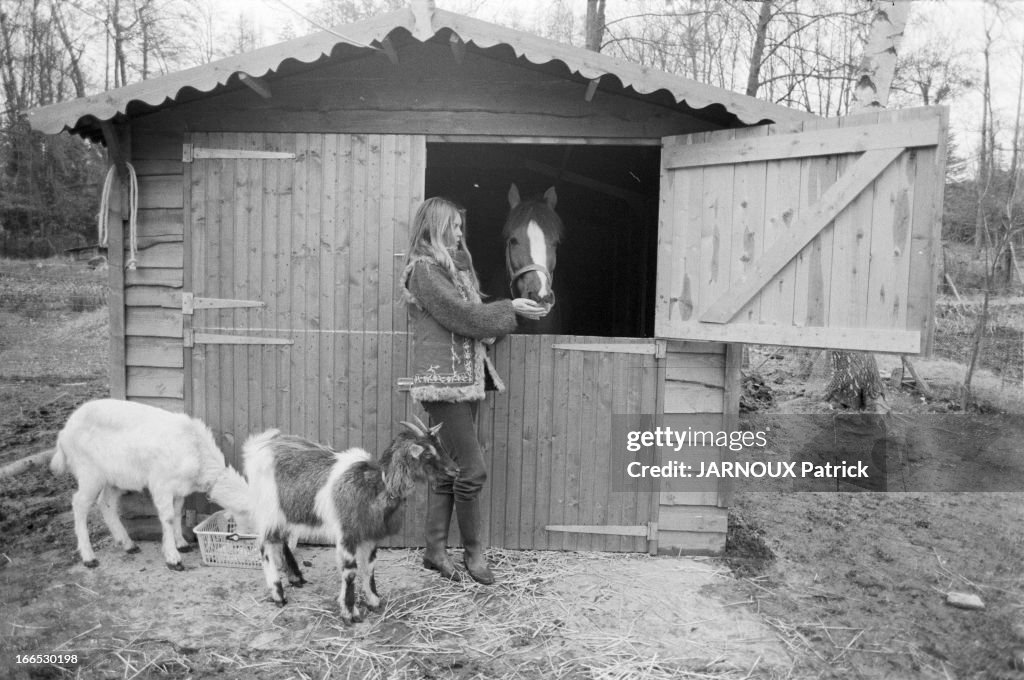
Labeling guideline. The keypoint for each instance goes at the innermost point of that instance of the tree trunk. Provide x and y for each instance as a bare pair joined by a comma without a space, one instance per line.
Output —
981,181
74,54
754,72
855,382
878,64
595,24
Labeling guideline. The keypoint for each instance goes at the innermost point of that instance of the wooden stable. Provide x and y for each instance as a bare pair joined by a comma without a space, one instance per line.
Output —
275,192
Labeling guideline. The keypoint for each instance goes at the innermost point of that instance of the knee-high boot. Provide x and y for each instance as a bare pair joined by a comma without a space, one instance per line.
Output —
472,529
439,519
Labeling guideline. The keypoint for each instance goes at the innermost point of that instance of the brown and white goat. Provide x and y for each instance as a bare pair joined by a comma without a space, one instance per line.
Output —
113,446
304,488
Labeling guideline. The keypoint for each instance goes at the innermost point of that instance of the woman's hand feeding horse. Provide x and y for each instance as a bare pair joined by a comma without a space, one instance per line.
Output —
532,233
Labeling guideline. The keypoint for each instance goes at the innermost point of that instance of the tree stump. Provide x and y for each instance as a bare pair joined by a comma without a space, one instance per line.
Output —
855,382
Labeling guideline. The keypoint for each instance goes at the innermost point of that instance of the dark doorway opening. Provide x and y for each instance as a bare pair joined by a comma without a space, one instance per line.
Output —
608,200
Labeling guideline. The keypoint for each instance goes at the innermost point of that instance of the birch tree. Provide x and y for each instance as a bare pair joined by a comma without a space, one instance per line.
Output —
855,381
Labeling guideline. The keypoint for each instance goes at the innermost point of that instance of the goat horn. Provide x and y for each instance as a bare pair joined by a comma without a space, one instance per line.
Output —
413,428
422,424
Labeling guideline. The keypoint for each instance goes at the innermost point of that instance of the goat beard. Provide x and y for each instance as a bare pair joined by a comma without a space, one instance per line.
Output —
231,492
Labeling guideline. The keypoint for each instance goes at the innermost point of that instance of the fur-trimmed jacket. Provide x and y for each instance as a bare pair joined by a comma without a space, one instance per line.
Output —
450,327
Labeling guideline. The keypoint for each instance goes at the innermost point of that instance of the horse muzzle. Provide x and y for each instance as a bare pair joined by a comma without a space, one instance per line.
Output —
545,278
546,300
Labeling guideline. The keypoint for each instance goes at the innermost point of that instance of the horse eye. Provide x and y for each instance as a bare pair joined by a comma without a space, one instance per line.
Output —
514,241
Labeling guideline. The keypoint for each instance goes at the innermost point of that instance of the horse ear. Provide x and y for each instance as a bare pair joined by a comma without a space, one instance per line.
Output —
513,196
551,198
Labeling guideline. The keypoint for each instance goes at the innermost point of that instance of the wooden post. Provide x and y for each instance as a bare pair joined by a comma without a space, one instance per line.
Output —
188,283
118,152
733,388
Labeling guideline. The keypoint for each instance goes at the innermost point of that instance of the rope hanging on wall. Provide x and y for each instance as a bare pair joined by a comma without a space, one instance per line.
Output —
133,211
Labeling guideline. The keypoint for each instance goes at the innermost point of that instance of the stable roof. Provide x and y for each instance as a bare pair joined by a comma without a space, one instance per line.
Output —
82,116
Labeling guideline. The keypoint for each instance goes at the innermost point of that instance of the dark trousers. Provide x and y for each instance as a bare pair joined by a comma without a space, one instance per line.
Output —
459,437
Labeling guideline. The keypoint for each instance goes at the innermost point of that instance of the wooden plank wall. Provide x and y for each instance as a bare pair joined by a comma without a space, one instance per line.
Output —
320,240
153,326
547,444
550,443
698,392
872,268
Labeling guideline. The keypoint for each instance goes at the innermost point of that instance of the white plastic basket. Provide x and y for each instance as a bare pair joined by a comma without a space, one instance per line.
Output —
222,546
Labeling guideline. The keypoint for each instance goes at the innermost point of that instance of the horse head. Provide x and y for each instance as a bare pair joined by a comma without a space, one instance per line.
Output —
532,232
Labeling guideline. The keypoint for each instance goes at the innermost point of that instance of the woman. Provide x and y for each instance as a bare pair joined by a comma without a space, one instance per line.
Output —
451,328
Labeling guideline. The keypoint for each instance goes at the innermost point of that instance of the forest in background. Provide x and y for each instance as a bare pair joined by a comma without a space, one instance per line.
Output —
799,53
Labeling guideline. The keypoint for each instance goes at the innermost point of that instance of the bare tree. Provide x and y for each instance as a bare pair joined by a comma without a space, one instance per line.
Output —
986,152
793,52
73,49
244,38
764,17
935,73
337,12
855,381
996,241
595,25
878,63
46,185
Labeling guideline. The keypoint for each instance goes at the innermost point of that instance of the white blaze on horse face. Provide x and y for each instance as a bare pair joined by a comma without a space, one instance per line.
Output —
539,255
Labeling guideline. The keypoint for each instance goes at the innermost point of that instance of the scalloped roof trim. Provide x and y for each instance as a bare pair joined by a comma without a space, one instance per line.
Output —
308,49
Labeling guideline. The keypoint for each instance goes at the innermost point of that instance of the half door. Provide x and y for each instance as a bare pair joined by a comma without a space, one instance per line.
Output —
818,234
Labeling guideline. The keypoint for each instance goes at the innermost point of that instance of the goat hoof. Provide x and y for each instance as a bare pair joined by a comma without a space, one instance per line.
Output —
296,584
278,594
176,566
134,549
92,564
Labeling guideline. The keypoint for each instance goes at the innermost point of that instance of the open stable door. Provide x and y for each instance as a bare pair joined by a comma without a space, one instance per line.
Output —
289,313
817,234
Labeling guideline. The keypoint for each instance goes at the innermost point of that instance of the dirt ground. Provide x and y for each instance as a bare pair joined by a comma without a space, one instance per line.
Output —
859,582
551,615
814,585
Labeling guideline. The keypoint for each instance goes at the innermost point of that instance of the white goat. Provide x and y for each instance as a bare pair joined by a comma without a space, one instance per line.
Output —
113,446
302,487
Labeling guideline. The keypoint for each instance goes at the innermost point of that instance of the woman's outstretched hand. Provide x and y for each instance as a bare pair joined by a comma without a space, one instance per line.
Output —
529,309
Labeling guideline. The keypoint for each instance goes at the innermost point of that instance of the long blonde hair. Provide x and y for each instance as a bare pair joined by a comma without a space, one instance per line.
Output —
431,227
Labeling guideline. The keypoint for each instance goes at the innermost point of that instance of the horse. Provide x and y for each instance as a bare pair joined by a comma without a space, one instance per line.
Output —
532,233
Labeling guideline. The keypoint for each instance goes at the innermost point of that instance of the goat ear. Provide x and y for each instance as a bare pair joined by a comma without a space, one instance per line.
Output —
435,429
513,196
415,450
